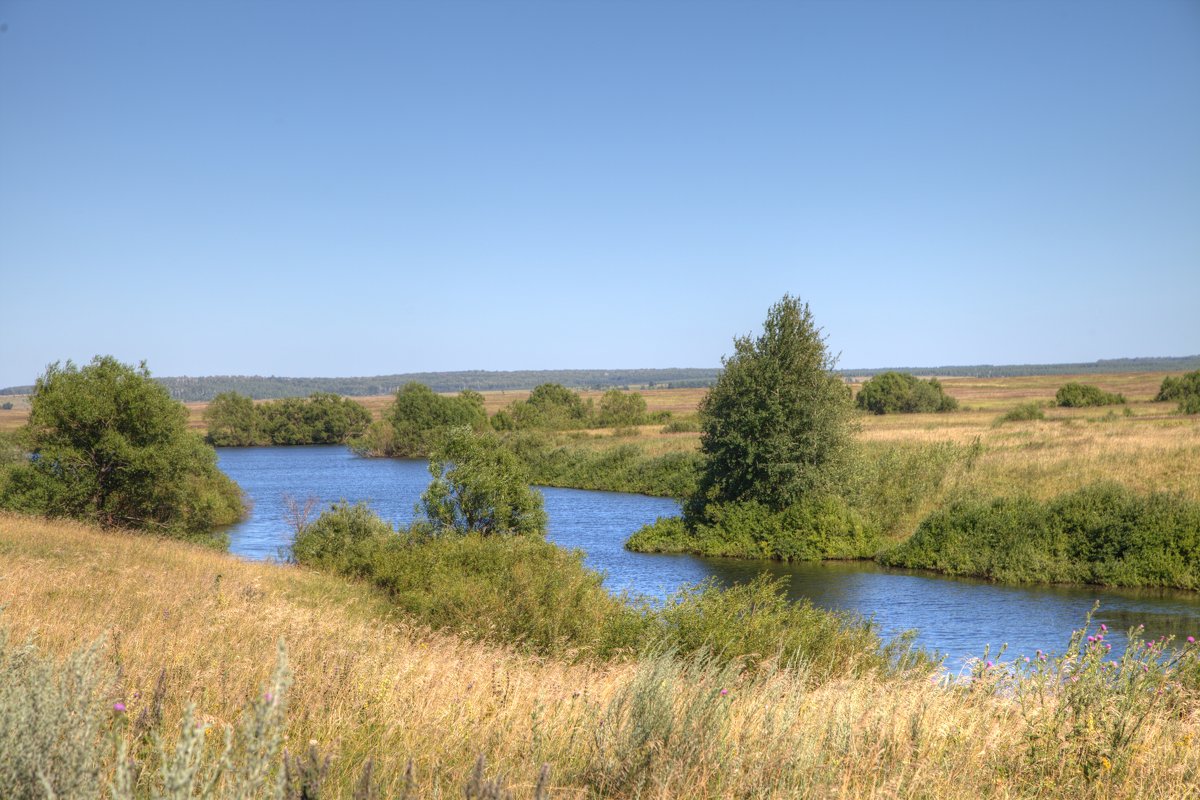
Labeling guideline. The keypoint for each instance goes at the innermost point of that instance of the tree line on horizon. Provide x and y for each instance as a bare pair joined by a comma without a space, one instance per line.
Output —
258,387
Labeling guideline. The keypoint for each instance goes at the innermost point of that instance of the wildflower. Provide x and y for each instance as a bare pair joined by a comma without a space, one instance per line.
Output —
1103,627
1191,640
268,697
724,692
990,665
119,708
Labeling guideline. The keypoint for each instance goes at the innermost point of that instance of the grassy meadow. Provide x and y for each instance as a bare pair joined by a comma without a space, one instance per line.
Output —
370,684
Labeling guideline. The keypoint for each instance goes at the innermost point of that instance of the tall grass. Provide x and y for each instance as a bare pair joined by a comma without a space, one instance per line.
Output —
422,707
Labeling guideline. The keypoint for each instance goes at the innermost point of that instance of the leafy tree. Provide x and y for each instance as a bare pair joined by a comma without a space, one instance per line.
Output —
479,485
109,445
621,408
778,424
232,421
901,393
1083,395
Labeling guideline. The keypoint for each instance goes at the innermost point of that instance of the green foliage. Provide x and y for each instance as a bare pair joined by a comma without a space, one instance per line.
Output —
901,393
517,589
550,406
624,468
321,418
342,532
526,591
1103,534
777,426
815,528
109,445
1025,412
233,421
1083,395
619,408
1184,390
416,421
755,622
480,486
687,424
6,406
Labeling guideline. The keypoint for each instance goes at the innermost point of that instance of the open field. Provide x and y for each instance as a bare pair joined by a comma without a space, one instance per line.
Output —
368,684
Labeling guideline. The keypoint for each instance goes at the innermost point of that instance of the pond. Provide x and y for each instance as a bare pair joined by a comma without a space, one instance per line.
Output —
954,616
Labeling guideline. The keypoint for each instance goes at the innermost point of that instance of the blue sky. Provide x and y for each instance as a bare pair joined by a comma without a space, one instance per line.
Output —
350,188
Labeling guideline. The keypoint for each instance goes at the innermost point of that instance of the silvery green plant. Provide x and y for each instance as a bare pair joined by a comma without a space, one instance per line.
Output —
51,722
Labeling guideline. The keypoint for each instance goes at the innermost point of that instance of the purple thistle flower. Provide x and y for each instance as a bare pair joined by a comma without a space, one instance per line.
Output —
724,692
268,697
1103,627
1191,640
119,708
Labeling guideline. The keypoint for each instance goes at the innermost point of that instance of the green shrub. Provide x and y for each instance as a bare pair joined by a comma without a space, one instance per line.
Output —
1184,390
417,419
480,486
688,424
818,527
1024,412
1103,534
902,393
520,590
340,540
755,622
621,409
1082,395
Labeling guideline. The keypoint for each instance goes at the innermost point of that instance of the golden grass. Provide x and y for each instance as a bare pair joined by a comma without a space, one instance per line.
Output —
368,684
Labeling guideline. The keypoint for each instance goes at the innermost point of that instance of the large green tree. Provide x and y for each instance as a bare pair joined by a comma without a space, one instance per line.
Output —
778,424
109,445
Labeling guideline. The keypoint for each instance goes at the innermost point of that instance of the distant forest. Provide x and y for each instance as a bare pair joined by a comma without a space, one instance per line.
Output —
190,389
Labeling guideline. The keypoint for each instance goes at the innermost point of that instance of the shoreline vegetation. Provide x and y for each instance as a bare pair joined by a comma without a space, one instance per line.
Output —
909,468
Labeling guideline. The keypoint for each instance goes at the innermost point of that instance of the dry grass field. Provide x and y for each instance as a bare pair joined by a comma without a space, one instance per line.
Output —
368,684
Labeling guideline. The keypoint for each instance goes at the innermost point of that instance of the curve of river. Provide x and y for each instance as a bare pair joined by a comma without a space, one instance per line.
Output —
954,616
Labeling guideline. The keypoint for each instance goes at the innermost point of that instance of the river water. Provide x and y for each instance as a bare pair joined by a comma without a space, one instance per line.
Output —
957,617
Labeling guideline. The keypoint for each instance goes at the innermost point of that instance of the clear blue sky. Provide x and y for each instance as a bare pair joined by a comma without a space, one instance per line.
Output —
349,188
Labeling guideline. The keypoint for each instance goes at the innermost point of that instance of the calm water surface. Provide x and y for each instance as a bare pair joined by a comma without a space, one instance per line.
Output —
954,616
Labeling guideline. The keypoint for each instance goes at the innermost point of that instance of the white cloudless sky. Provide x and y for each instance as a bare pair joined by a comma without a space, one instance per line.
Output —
353,188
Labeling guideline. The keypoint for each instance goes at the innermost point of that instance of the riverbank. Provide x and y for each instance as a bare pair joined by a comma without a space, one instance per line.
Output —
369,684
